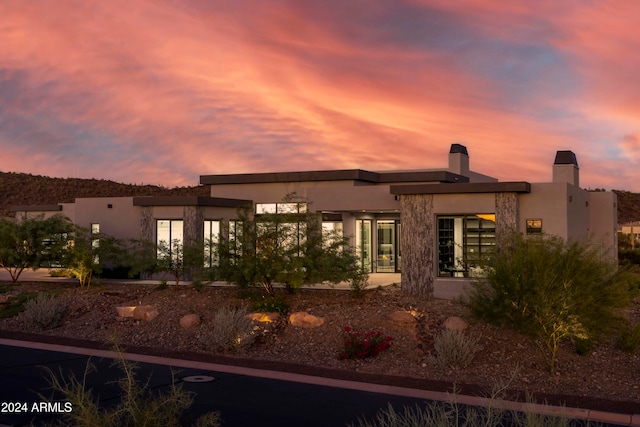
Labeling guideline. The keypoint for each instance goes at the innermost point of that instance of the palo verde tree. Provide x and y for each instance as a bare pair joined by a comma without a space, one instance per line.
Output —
32,243
287,248
176,258
551,290
87,253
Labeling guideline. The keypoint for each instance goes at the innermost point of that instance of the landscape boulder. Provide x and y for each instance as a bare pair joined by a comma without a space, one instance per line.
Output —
402,317
190,321
455,323
145,312
125,311
302,319
263,317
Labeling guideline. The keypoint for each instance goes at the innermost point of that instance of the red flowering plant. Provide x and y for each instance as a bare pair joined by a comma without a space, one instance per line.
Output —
358,346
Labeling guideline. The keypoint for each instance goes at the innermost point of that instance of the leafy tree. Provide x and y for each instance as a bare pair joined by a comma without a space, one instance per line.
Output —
283,248
32,243
87,253
177,258
551,290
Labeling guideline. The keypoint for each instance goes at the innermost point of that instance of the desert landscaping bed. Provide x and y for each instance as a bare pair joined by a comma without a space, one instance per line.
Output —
605,379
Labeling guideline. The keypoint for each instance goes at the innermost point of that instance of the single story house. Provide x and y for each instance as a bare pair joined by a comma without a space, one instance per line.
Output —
435,227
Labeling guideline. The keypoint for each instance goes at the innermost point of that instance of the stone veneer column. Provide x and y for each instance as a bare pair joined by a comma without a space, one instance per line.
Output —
507,213
193,225
418,243
147,225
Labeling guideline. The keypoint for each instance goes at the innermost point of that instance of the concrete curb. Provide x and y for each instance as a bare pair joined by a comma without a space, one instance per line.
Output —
573,413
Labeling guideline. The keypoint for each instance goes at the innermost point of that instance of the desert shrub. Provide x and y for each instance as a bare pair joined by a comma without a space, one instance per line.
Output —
138,405
583,346
361,346
270,304
198,285
60,272
43,312
455,349
446,414
16,304
551,290
630,339
230,331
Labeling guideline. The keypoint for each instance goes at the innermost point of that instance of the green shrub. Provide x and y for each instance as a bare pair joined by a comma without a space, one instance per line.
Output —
455,349
551,290
583,346
270,304
230,331
198,285
43,312
630,339
16,304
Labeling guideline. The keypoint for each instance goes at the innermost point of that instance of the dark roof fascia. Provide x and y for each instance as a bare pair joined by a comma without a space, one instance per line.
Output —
272,177
36,208
422,176
219,202
473,187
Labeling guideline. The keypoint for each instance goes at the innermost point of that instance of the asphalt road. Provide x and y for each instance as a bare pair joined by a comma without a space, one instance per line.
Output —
242,400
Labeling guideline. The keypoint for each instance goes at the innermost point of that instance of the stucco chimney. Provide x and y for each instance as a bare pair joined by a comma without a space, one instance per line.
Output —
459,160
565,168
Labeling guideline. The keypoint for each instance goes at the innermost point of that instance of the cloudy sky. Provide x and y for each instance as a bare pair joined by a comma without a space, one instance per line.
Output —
163,91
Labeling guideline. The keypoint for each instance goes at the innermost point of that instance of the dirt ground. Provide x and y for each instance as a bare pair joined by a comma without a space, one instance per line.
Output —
606,378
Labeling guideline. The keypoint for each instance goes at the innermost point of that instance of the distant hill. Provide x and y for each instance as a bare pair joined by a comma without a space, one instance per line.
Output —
18,189
628,206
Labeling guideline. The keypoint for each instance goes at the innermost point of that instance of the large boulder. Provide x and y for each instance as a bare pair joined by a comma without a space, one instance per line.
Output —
455,323
145,312
402,317
264,317
302,319
190,321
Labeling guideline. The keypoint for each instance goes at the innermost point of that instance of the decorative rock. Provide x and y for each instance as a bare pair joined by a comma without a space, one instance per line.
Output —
402,317
190,321
455,323
125,311
145,312
263,317
303,319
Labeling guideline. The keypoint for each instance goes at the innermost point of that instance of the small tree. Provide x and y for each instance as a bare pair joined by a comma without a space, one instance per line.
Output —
88,252
32,243
178,259
286,248
551,290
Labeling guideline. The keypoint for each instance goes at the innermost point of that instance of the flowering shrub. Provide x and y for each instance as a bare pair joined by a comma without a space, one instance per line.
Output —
357,346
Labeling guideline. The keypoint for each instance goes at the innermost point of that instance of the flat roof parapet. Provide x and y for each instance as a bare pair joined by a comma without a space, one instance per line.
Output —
474,187
36,208
334,175
219,202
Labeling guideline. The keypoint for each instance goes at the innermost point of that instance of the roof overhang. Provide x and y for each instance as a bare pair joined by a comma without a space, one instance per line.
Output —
463,188
219,202
36,208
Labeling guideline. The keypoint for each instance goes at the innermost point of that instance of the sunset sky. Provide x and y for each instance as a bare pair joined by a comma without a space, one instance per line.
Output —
161,92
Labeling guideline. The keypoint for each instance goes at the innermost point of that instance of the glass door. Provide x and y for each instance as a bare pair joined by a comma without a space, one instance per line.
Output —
363,243
386,246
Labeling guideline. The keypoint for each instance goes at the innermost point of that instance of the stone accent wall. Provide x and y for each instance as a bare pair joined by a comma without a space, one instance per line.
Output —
147,224
418,244
193,225
507,213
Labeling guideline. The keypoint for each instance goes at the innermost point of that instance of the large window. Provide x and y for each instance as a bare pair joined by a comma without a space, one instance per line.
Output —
211,239
465,244
363,243
169,234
